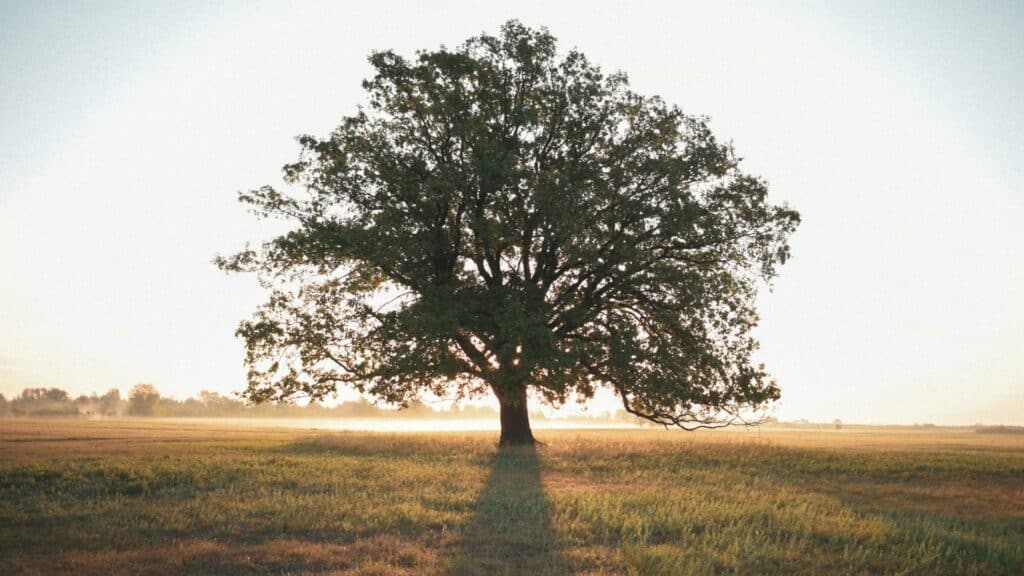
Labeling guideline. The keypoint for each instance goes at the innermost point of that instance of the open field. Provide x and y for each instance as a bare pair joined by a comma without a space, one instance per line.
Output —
149,497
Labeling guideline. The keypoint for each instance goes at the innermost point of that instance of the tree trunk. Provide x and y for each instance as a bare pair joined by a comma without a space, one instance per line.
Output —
515,419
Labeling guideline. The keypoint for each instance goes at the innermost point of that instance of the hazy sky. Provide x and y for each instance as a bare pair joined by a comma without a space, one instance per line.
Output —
126,130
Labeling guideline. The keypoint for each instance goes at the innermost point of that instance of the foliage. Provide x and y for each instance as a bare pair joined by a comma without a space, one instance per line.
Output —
42,401
57,402
504,217
143,400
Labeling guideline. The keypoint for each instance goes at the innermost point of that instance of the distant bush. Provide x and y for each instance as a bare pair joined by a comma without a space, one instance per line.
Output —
42,402
981,429
146,400
143,400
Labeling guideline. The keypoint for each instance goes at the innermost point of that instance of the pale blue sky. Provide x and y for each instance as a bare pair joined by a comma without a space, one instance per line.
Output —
895,130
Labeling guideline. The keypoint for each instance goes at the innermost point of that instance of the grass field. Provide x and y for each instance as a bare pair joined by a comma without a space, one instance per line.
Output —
146,497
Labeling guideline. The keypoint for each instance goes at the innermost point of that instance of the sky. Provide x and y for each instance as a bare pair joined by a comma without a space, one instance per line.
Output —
894,128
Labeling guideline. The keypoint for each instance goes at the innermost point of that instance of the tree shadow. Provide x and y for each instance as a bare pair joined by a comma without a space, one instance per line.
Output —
511,532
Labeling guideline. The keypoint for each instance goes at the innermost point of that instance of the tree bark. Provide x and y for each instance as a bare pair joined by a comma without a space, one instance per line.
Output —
515,419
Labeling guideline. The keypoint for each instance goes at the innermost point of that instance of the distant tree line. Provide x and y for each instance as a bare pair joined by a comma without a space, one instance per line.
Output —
146,400
57,402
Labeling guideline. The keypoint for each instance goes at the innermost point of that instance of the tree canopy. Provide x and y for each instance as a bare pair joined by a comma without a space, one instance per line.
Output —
143,399
503,217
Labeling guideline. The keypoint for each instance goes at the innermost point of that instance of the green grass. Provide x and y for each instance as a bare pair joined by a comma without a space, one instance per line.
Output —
150,498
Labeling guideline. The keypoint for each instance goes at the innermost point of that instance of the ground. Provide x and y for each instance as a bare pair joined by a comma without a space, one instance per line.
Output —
150,497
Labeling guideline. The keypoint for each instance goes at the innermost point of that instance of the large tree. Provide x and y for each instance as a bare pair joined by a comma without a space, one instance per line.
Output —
504,218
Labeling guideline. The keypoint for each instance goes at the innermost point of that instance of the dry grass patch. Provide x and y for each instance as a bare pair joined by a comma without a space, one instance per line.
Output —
154,498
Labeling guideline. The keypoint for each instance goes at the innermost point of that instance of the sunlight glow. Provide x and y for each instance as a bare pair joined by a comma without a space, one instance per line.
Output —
897,133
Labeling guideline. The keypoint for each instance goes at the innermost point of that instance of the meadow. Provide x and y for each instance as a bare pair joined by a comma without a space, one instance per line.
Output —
137,496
